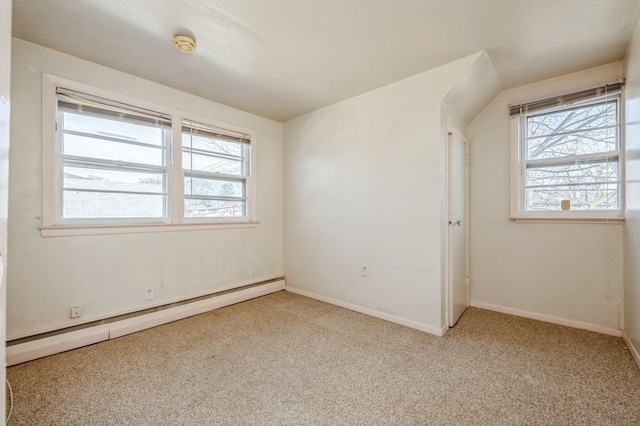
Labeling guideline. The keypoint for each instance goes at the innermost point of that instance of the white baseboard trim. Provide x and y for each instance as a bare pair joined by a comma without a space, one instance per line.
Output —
370,312
632,349
548,318
39,348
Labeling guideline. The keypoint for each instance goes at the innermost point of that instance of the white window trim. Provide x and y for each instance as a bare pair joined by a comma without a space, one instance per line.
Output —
517,212
250,181
175,221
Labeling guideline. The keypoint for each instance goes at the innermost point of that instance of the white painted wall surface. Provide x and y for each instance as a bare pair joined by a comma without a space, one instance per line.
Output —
363,185
5,114
474,90
568,271
107,274
632,223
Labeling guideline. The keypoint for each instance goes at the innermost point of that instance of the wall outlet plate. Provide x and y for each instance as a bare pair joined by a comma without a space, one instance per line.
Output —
149,293
565,204
75,312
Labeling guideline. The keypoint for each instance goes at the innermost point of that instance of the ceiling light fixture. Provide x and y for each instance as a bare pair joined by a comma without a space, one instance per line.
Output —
184,44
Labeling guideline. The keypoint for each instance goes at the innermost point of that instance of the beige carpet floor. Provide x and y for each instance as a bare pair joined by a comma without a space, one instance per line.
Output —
284,359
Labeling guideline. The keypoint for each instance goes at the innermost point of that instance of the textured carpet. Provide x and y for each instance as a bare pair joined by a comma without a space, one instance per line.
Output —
284,359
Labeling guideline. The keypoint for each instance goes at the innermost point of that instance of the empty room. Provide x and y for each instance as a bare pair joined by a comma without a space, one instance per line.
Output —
323,212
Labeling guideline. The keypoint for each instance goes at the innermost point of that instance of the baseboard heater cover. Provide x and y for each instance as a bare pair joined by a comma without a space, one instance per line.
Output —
46,346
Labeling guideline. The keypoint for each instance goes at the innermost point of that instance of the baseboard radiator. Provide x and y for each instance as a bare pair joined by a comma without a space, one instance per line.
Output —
34,347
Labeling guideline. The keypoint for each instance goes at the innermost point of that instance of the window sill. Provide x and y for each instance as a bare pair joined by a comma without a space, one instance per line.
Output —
594,220
80,230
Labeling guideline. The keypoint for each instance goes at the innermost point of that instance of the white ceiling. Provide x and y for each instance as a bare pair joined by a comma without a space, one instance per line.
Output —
283,58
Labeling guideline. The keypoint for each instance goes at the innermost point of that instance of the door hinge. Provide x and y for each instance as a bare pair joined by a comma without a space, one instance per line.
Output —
466,282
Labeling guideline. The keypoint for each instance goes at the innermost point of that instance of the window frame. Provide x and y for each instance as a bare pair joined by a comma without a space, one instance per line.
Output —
52,223
247,163
518,169
61,158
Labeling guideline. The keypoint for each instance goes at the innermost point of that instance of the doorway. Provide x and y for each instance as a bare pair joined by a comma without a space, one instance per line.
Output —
457,230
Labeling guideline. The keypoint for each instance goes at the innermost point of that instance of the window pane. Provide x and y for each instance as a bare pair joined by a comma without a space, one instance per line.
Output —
112,151
213,208
584,142
573,174
206,163
582,197
213,187
96,205
211,144
573,131
112,180
104,126
571,119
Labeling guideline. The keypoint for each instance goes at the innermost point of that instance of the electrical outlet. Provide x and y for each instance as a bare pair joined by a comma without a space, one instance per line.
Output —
148,293
364,270
76,311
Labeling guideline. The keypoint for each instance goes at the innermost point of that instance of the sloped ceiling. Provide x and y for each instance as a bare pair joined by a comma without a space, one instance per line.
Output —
283,58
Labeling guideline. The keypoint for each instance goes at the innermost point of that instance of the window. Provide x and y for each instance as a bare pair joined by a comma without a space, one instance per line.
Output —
567,156
114,162
216,171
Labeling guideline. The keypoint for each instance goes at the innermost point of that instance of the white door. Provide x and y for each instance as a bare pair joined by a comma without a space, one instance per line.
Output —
457,259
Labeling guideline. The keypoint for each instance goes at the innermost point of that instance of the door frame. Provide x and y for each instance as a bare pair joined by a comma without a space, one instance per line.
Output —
448,251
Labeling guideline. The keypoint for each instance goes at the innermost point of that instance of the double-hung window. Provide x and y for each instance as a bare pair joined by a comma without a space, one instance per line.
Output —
112,161
116,164
566,156
216,167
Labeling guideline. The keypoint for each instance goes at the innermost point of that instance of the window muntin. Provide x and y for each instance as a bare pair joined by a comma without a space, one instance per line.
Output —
216,171
572,153
113,164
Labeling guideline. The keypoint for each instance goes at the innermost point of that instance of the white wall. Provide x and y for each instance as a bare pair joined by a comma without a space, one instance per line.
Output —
632,224
567,271
5,113
474,90
363,185
107,274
